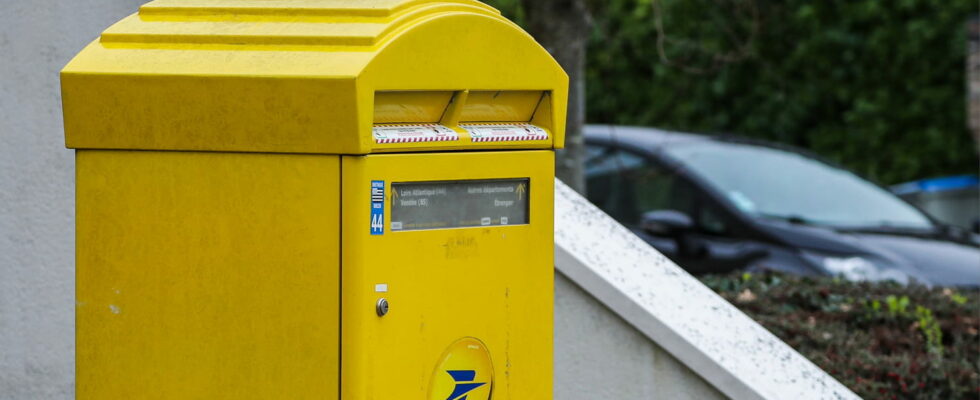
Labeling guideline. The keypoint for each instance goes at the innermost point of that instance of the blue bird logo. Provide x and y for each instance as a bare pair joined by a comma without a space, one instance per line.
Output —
464,383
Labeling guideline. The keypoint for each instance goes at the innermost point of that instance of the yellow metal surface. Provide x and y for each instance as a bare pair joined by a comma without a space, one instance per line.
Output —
289,8
490,283
296,76
420,106
500,105
207,275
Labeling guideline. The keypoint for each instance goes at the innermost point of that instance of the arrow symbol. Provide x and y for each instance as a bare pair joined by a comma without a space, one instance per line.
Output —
520,191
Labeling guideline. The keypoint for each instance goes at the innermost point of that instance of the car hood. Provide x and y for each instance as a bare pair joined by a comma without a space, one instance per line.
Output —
937,262
931,260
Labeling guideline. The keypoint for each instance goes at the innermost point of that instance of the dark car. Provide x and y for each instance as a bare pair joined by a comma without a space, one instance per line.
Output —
717,203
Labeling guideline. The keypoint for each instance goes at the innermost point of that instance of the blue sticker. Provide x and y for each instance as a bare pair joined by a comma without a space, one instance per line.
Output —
377,207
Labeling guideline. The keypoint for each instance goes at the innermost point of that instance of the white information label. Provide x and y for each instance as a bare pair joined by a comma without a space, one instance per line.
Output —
504,132
413,133
459,204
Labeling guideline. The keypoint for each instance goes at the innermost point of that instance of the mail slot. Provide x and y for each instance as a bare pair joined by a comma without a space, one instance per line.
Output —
319,199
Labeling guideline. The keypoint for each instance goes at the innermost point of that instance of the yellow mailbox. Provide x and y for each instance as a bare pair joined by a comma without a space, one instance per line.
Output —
329,199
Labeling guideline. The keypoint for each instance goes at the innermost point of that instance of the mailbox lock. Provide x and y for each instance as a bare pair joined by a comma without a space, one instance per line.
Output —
381,307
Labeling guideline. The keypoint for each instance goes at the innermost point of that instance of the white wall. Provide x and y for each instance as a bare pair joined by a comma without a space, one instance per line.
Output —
598,355
37,38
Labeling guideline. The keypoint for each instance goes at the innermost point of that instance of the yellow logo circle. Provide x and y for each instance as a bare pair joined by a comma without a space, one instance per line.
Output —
464,372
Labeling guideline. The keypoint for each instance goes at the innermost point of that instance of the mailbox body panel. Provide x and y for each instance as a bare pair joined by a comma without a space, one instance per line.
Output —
207,275
491,283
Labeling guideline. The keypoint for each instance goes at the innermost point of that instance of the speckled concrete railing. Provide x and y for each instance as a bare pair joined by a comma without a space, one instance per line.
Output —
729,350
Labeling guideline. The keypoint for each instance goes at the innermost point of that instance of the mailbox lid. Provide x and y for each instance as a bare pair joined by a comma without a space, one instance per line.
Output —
492,284
295,76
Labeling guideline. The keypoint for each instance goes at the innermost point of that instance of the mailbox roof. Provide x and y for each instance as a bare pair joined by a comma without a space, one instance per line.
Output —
296,76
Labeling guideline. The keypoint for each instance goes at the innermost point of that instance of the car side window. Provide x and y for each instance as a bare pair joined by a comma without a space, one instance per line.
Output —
626,185
604,181
711,220
652,187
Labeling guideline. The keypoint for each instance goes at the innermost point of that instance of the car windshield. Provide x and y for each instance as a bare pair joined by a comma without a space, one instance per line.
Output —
781,184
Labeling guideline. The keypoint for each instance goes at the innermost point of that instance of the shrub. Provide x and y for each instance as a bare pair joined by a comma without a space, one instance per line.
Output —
882,340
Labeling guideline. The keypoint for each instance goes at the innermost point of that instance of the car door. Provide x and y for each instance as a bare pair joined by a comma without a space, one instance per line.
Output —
627,184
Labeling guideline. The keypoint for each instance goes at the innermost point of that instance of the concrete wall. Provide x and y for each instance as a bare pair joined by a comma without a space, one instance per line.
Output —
598,355
37,38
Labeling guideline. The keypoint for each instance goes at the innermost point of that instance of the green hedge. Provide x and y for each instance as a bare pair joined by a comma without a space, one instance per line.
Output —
878,86
884,341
